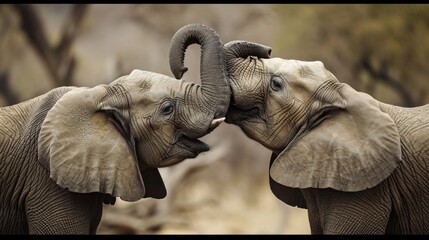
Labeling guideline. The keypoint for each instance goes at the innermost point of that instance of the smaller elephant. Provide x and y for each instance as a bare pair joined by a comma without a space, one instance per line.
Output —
359,166
64,153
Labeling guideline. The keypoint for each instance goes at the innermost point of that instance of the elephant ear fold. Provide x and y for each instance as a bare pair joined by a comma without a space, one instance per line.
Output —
349,144
81,146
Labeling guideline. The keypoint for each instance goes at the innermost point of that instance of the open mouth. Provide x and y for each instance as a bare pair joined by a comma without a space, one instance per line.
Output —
188,148
196,146
193,145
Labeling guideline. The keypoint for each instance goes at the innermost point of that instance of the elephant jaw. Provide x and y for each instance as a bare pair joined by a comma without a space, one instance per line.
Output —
191,147
196,146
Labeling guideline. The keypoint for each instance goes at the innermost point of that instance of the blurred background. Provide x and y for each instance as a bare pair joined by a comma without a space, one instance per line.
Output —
379,49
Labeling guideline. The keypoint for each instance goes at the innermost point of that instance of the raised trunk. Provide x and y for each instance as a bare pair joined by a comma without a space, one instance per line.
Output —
215,91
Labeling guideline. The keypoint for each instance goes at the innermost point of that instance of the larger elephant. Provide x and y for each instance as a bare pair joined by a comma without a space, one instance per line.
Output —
65,152
359,166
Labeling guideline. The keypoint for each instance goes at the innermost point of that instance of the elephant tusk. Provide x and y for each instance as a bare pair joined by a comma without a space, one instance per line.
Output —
215,123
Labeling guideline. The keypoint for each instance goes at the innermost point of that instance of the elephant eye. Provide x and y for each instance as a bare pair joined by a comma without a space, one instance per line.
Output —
276,83
167,108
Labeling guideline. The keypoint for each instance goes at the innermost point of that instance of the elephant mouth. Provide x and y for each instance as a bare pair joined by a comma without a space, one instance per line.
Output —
193,145
237,114
185,147
190,147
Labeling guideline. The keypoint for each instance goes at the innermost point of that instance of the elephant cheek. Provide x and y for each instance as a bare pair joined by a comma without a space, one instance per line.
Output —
156,146
175,155
147,156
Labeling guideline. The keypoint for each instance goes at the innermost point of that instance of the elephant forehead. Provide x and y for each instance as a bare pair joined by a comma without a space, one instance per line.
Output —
150,87
300,69
148,76
145,81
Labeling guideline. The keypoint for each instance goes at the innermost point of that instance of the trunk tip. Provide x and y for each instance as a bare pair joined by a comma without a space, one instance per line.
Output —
179,74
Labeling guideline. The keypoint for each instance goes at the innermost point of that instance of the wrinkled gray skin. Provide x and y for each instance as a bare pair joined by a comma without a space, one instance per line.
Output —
358,165
66,152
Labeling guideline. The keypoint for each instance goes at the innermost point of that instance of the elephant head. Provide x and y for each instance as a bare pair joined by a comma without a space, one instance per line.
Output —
323,133
112,138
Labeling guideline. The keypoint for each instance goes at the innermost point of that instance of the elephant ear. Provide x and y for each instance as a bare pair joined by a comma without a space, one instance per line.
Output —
349,144
83,149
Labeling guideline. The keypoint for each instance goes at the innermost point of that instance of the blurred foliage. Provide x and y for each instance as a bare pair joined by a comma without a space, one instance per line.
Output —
22,27
11,50
379,49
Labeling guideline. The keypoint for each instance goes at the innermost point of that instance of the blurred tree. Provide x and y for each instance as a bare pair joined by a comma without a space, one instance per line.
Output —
232,20
10,49
57,59
379,49
59,62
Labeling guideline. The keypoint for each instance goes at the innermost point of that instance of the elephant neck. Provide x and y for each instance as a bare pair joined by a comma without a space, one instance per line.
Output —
18,150
409,120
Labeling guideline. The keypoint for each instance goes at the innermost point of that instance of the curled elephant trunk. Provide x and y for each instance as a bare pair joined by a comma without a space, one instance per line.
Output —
243,49
215,91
